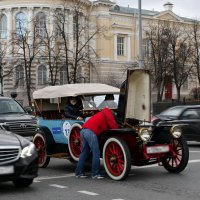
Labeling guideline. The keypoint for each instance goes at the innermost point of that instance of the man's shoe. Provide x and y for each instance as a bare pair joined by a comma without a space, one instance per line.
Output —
81,176
98,176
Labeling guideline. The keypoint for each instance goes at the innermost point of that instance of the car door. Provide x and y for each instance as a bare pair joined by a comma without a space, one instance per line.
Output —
191,117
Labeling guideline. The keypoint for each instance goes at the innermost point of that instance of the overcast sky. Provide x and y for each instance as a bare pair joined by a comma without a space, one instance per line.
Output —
183,8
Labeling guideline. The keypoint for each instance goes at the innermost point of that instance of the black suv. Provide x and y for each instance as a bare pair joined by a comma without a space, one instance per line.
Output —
188,116
14,118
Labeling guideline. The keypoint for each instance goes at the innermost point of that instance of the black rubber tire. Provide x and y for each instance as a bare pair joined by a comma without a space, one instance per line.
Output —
46,159
125,153
179,163
22,182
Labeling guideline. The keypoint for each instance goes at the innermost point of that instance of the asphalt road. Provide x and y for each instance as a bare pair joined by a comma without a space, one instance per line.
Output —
57,182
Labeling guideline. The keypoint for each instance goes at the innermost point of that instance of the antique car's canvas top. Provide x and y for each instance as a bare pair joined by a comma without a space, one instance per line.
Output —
74,90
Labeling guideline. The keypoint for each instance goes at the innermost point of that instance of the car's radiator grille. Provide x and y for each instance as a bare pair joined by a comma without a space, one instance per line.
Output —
22,127
9,154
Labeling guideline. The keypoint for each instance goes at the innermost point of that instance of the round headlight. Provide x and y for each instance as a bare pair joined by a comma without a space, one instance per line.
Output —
145,134
176,131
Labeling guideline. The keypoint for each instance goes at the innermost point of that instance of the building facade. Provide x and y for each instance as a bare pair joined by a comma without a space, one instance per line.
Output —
117,48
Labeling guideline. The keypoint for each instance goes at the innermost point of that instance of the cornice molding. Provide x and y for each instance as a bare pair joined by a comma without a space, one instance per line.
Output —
107,3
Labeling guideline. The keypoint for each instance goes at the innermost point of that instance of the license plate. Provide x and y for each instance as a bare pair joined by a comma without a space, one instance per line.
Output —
157,149
6,169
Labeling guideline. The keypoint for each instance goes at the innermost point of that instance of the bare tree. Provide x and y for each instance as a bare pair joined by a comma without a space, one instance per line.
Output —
181,53
158,58
3,63
26,47
52,52
78,51
195,38
170,55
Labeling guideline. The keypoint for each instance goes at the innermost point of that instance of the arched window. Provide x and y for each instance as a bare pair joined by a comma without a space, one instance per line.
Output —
41,24
3,26
19,76
63,76
21,23
116,8
42,75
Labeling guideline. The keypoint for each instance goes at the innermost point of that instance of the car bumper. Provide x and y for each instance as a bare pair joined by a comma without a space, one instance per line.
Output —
26,168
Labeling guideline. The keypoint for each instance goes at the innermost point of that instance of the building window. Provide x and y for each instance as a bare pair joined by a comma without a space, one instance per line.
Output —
78,24
120,45
75,26
60,24
19,76
41,24
63,76
21,23
42,75
185,85
146,48
3,27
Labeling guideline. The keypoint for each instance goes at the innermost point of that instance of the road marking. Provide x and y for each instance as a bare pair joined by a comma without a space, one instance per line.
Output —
194,161
58,186
88,193
36,181
156,165
39,179
117,199
194,151
53,177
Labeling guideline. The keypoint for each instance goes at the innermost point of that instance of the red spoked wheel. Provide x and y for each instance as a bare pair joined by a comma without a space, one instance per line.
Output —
40,144
116,158
177,161
74,142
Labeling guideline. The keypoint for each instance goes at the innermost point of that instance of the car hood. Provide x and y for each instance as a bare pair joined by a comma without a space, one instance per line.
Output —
15,117
8,139
166,118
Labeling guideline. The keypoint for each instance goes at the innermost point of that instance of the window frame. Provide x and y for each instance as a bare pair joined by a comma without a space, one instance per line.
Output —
19,76
121,45
63,76
21,23
3,26
41,19
42,75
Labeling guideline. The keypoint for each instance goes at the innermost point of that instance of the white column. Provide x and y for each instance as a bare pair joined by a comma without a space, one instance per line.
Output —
30,24
129,48
71,31
51,21
10,31
115,46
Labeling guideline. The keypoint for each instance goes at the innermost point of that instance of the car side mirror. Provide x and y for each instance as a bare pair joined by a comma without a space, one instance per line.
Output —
28,109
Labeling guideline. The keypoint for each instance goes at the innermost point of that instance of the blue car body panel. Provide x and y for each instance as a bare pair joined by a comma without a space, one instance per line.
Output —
59,129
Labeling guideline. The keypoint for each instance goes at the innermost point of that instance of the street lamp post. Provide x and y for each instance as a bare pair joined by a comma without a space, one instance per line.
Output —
140,35
1,81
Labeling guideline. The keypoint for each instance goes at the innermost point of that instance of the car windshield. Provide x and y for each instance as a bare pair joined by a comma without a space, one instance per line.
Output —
176,111
99,102
10,106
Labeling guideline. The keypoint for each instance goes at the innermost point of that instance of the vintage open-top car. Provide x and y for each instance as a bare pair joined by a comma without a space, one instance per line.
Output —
136,142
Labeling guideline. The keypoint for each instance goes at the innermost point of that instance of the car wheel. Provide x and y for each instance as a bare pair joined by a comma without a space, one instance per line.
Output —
177,162
116,158
22,182
74,142
40,144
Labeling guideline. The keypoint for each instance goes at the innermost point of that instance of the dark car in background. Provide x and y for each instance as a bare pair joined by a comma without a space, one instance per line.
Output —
14,118
188,116
18,159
